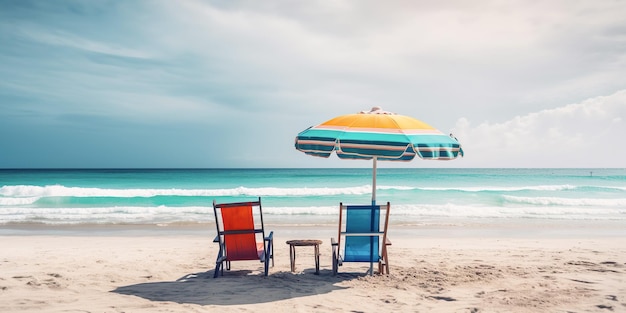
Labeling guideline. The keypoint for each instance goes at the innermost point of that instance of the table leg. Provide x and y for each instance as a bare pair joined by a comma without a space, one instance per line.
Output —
292,257
317,259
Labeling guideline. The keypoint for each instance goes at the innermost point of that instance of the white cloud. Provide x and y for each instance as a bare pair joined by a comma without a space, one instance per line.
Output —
195,62
586,134
62,38
457,56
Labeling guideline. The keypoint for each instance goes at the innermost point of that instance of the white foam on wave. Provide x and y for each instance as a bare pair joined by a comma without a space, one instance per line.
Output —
33,193
23,191
291,211
17,201
107,215
539,212
499,188
556,201
140,215
299,215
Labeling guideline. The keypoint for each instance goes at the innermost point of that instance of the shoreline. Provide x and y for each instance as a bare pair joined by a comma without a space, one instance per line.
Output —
444,228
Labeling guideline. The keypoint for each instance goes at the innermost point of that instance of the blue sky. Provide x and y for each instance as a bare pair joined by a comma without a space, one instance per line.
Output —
230,83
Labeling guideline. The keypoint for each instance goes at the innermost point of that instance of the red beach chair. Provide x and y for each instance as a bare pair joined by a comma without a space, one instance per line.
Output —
240,237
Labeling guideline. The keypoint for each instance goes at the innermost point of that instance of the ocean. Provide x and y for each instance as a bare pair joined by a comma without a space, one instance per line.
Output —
308,196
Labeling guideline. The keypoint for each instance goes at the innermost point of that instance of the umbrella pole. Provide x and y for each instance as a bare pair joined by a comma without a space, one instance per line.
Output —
374,181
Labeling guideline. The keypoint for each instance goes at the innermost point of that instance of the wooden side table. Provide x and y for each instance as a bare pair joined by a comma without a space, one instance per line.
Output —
300,243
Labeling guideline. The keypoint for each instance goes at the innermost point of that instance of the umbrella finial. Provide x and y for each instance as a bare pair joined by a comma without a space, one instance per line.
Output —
377,110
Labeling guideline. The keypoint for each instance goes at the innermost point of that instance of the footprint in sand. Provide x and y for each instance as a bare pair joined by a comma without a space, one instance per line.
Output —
449,299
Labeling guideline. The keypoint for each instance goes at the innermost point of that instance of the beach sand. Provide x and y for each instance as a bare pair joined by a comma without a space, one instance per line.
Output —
432,270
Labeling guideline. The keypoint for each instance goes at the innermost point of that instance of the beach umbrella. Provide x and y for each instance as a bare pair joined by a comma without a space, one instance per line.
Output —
377,135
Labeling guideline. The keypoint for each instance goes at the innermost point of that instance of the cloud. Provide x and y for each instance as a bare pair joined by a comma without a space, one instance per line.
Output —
62,38
470,57
586,134
267,69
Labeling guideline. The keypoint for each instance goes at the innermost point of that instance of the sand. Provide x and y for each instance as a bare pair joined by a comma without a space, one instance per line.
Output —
431,271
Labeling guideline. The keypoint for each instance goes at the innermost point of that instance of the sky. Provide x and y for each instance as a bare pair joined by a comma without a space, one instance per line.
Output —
229,84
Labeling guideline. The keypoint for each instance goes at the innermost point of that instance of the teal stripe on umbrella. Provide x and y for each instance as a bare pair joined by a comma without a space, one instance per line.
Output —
389,147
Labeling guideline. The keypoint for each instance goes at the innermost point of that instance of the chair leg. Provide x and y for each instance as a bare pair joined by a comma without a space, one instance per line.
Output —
386,265
383,265
218,266
219,262
335,263
266,261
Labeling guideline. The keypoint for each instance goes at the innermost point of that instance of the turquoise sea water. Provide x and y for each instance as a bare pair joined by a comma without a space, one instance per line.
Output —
301,196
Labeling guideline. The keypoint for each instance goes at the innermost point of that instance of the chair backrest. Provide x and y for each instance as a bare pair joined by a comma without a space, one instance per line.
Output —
362,231
237,229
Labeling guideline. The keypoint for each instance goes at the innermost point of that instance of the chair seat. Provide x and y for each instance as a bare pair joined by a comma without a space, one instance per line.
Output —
260,254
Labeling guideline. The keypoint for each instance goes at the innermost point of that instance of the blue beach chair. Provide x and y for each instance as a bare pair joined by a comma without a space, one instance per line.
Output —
240,237
363,238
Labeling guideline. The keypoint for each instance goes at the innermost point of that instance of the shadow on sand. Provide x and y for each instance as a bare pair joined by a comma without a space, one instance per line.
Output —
237,287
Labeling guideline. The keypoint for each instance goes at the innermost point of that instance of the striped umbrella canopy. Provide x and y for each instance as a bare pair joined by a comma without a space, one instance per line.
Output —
377,135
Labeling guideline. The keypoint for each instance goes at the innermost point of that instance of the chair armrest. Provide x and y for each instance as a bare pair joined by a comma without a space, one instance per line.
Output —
270,237
387,241
217,238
